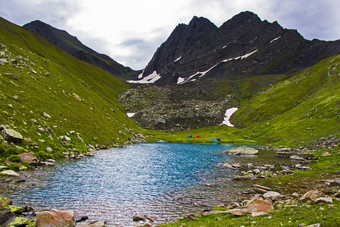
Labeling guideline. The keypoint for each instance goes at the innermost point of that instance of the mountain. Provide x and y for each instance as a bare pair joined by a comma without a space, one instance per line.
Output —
47,94
243,46
73,46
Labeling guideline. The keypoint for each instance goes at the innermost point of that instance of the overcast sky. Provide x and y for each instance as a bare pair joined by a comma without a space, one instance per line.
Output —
131,30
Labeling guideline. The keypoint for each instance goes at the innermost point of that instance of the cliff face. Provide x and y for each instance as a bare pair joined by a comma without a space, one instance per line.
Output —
243,46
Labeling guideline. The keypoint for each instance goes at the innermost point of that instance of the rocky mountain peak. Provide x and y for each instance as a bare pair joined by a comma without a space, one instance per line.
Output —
241,47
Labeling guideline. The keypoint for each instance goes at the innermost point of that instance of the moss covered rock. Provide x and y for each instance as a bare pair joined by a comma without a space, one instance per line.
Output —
21,221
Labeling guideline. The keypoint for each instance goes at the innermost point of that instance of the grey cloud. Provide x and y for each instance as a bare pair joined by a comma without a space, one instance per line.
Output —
313,19
51,12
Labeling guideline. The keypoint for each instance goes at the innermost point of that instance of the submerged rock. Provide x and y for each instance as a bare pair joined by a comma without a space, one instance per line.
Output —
242,150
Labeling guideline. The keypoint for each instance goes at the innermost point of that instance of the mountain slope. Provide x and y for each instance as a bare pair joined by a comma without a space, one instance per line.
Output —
243,46
37,78
299,110
73,46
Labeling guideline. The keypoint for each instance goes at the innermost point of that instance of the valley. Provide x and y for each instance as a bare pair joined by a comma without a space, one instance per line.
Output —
65,102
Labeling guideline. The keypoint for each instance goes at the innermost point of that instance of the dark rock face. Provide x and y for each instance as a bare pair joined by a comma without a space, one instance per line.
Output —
73,46
242,46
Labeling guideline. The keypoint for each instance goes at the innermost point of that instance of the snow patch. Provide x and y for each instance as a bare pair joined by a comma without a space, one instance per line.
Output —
140,76
275,39
152,78
130,114
228,113
177,59
183,80
240,57
180,80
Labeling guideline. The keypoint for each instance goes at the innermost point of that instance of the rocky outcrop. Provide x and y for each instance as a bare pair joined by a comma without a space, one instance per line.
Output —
181,116
242,46
173,108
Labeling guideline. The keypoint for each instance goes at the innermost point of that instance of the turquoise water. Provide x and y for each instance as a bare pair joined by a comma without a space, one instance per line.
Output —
160,179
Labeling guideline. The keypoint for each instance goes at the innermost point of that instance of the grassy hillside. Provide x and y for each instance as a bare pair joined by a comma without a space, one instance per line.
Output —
296,111
37,77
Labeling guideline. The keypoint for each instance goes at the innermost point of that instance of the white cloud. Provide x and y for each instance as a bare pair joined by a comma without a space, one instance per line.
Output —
130,31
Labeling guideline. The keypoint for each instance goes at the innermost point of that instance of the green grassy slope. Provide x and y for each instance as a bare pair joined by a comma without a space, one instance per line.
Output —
298,110
37,77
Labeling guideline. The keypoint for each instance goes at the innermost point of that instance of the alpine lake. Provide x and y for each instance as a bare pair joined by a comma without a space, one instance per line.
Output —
161,180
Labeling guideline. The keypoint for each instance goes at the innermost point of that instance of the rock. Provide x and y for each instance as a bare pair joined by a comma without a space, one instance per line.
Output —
46,115
66,138
95,224
228,166
56,218
271,195
10,173
296,157
261,189
28,157
139,217
20,221
82,218
191,217
49,150
324,200
19,210
258,205
311,195
295,195
11,135
314,225
4,202
5,215
236,212
333,183
242,150
326,154
41,130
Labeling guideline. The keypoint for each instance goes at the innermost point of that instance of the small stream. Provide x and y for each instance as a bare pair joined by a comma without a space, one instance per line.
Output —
163,180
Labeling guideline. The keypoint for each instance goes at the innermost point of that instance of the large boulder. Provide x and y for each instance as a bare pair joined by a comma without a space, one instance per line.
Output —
259,207
311,195
58,218
11,135
28,157
242,150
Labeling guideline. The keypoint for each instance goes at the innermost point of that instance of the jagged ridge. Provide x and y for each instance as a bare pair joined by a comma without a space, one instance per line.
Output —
242,46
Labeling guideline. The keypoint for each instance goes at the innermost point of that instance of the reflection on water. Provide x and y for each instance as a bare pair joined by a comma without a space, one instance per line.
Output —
162,180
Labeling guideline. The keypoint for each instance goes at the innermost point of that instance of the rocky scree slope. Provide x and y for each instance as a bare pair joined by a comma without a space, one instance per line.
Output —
55,101
73,46
174,108
243,46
